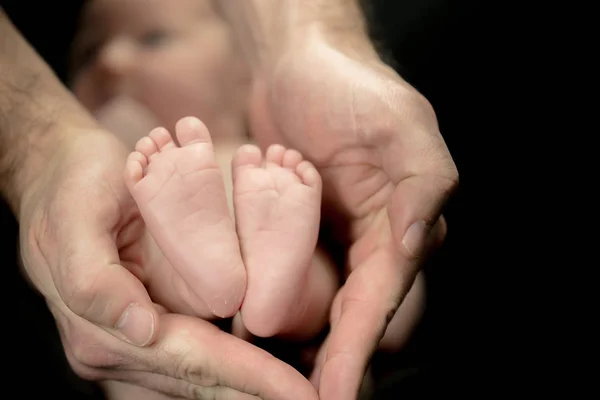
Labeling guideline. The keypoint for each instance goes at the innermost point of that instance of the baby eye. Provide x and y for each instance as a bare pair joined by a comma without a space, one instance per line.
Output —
154,38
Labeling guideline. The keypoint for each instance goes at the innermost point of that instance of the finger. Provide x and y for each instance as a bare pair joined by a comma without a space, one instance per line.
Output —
379,280
95,286
359,317
404,321
190,358
438,234
414,208
225,393
315,376
420,165
211,358
125,390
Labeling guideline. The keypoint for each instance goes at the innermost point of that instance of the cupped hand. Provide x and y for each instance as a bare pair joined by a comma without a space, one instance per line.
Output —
84,247
386,170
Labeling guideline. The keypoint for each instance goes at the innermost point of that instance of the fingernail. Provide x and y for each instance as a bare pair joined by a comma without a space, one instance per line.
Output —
414,238
136,324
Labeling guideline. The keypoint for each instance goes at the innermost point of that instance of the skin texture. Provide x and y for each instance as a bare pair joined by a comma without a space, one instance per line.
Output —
91,274
374,139
140,50
84,248
319,87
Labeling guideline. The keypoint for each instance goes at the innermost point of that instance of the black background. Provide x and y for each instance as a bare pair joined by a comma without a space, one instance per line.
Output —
462,55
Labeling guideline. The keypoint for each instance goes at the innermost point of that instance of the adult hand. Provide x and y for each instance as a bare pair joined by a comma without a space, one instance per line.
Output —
385,167
84,247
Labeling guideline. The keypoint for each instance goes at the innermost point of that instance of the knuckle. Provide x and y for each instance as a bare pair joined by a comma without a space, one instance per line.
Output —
78,352
449,180
81,294
83,371
191,367
89,355
80,360
415,107
75,342
424,105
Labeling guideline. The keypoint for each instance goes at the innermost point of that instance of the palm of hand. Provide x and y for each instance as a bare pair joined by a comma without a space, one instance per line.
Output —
96,182
371,136
79,227
344,116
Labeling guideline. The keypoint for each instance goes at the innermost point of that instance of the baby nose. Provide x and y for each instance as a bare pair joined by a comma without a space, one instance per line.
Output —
114,67
117,57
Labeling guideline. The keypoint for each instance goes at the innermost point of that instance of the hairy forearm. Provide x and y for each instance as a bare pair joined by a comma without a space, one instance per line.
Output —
267,28
36,112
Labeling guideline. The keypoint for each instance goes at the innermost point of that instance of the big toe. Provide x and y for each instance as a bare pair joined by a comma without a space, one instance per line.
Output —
247,156
191,130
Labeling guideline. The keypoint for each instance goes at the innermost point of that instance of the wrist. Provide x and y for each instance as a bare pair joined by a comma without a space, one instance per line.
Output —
351,43
339,23
39,158
38,114
270,30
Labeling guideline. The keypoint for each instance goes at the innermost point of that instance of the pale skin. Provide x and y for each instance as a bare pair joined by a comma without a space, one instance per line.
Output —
375,141
277,215
181,196
276,208
122,70
59,169
389,170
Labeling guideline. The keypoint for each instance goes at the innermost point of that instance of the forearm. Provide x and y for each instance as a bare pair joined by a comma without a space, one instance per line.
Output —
36,113
267,28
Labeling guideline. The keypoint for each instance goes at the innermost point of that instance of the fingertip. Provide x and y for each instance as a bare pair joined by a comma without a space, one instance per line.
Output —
414,209
438,233
138,324
421,238
415,237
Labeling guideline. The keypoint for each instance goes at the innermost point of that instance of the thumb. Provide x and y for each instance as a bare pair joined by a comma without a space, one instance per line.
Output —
415,210
96,287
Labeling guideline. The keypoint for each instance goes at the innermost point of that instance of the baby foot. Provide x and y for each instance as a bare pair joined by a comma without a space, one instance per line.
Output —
277,212
180,194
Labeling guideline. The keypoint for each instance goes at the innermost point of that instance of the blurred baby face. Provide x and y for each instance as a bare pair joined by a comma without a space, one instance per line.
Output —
175,57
